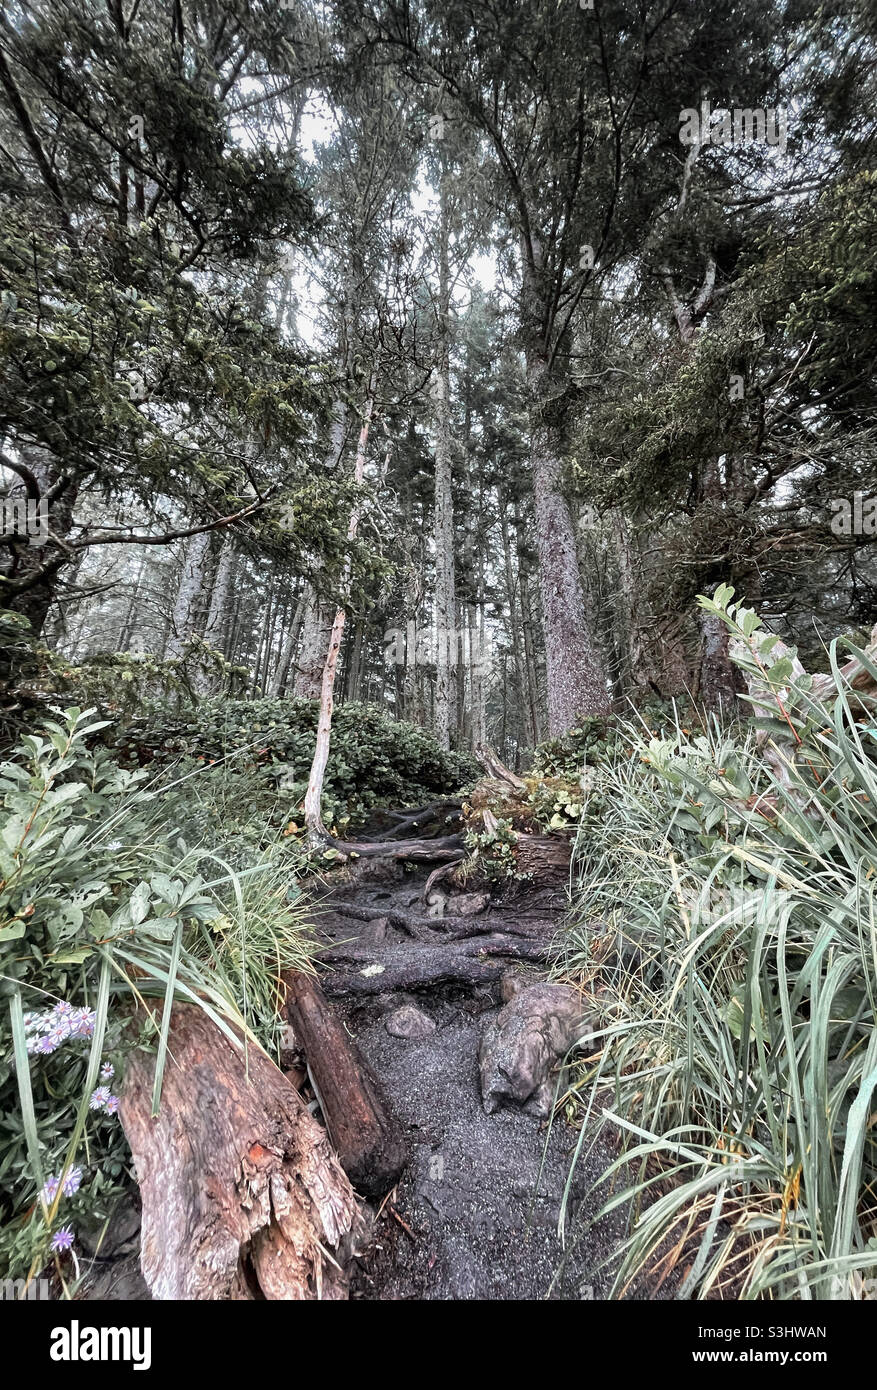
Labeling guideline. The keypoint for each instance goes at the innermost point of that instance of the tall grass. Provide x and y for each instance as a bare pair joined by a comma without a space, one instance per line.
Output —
726,926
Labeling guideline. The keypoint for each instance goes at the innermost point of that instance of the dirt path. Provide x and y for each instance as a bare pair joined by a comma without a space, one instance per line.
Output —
475,1215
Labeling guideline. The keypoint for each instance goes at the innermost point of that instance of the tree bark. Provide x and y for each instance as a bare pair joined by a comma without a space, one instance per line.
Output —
367,1136
528,631
242,1195
512,587
216,627
316,634
185,610
576,680
445,601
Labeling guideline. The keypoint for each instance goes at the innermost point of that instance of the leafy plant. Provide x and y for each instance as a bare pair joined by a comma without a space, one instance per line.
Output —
727,927
374,761
104,907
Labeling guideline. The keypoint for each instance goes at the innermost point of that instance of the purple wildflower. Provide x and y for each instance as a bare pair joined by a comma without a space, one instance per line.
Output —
82,1023
50,1042
50,1189
112,1105
63,1239
99,1098
107,1071
35,1023
72,1182
62,1010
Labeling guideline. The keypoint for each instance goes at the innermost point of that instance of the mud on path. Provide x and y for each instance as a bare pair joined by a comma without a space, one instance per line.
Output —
475,1215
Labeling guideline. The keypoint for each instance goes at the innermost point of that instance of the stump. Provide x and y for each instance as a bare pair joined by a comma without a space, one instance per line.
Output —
544,859
242,1194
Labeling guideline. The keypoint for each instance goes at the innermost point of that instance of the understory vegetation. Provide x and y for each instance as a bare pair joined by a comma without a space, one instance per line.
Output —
394,395
115,892
726,929
125,886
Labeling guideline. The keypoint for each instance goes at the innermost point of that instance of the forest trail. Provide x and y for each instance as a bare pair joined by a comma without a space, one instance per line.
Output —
475,1214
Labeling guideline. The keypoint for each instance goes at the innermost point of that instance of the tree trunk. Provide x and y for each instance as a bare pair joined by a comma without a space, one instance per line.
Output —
525,732
263,654
318,615
633,618
185,611
26,563
126,630
242,1195
576,680
445,602
718,676
528,631
477,721
216,627
314,795
316,633
281,674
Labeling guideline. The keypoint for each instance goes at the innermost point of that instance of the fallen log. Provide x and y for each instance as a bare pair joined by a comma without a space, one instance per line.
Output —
242,1195
367,1136
544,859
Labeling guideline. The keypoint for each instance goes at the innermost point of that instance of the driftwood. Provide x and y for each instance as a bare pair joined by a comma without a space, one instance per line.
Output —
242,1195
366,1135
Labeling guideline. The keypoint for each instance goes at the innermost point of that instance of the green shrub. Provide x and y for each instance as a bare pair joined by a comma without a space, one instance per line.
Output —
373,760
597,740
103,902
727,923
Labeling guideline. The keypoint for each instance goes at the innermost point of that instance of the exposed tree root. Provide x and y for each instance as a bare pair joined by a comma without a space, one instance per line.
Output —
438,875
447,848
480,960
435,813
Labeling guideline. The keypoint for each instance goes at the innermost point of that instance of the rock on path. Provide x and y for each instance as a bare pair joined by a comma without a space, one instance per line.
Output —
475,1215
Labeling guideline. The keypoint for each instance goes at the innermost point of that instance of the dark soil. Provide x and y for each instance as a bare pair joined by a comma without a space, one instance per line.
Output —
476,1213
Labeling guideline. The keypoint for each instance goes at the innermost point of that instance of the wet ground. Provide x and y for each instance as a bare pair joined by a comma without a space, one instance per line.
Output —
476,1213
